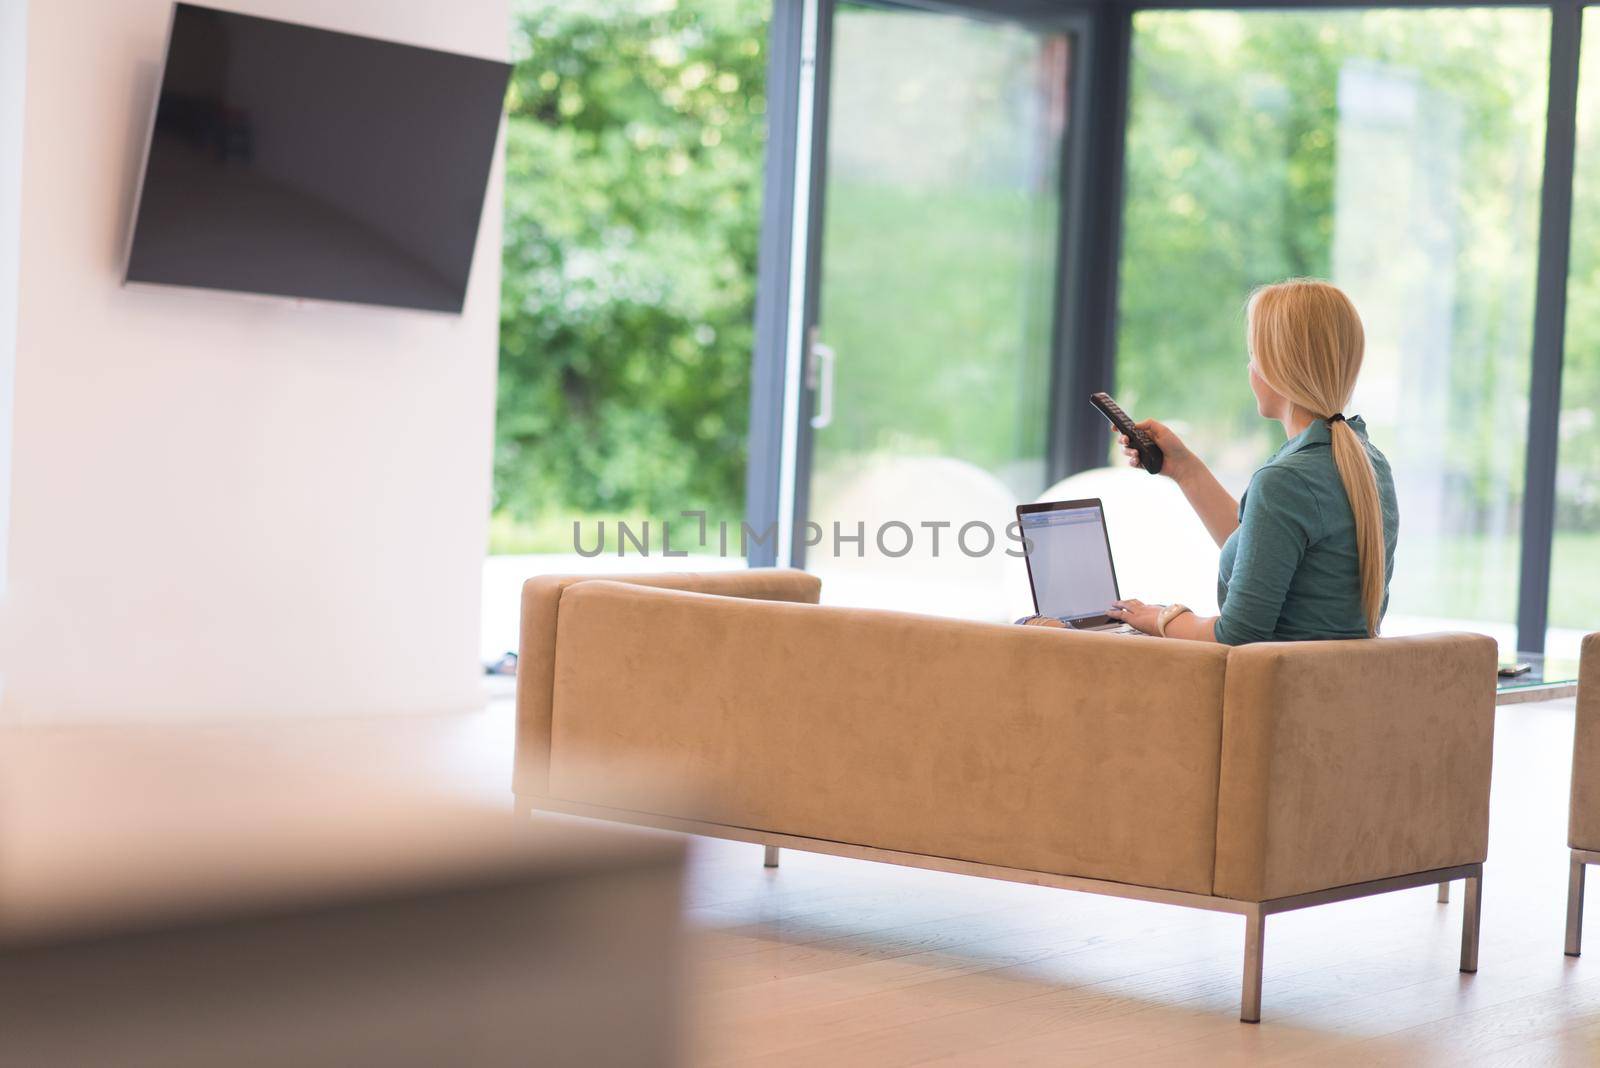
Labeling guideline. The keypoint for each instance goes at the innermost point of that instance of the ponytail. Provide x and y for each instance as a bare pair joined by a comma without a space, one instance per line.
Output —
1307,341
1361,486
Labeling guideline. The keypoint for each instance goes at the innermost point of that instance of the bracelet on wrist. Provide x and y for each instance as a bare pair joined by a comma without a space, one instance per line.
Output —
1168,614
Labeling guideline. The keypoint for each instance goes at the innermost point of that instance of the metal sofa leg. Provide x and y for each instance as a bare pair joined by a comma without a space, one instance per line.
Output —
1255,923
770,858
1444,893
1575,905
1471,910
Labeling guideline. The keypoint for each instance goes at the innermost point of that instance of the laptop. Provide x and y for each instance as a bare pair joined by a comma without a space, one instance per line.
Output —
1069,563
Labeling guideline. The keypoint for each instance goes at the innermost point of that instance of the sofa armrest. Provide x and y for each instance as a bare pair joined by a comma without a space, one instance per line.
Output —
1348,761
536,653
1583,820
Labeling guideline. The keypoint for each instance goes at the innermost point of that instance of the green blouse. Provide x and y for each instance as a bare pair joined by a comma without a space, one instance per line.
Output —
1290,572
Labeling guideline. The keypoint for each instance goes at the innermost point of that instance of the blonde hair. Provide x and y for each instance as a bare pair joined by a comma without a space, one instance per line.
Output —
1306,340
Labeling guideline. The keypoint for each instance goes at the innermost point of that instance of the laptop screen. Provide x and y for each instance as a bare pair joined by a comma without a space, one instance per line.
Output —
1070,561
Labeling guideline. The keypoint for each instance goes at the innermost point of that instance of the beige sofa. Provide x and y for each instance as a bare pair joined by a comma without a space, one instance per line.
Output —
1253,780
1583,820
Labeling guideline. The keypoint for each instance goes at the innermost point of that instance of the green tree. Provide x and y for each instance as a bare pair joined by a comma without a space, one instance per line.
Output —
633,179
1232,161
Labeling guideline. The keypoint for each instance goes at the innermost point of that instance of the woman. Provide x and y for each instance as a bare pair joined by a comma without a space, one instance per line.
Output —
1309,551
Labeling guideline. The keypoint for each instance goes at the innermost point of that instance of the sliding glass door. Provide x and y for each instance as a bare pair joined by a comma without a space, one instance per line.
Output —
935,272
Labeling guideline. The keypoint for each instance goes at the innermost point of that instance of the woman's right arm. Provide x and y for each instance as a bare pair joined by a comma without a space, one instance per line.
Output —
1214,505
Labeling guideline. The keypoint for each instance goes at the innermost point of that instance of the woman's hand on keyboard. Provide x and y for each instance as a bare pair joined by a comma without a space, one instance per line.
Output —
1136,614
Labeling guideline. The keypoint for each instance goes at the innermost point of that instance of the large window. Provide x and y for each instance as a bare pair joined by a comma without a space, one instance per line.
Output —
635,132
913,353
1399,153
938,281
634,145
1575,575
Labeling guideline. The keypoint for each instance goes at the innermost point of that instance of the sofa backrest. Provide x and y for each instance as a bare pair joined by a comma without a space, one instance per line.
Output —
1076,753
1348,761
536,653
1583,825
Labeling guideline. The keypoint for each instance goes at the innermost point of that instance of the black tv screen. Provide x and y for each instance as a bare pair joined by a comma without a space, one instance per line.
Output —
300,162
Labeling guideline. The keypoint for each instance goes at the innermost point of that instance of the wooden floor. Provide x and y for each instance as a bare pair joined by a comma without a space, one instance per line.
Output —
834,963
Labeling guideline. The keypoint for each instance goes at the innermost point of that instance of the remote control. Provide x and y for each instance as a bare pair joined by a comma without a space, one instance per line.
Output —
1150,457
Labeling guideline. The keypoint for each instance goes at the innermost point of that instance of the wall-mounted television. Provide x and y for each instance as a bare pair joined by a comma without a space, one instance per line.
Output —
299,162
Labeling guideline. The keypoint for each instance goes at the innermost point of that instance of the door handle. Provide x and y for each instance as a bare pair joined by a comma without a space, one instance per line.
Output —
820,359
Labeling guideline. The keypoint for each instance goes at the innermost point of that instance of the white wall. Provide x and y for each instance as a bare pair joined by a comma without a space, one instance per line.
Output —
13,72
225,505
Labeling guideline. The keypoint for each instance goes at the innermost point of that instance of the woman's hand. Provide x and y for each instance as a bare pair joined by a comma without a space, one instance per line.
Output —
1043,621
1136,614
1177,458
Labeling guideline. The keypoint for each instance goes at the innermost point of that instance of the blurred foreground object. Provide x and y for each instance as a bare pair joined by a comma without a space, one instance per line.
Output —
182,913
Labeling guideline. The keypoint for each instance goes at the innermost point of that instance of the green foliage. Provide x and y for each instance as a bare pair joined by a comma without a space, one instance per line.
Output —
1232,166
633,180
939,244
1578,497
939,354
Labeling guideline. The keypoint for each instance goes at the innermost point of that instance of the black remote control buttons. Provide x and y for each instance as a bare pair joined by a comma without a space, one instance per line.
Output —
1150,457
